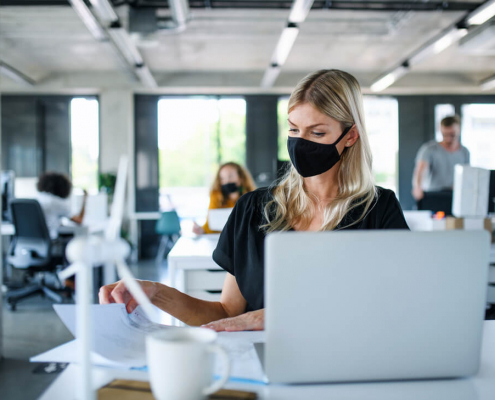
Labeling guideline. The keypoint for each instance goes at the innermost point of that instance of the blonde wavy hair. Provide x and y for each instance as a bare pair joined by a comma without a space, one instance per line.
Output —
336,94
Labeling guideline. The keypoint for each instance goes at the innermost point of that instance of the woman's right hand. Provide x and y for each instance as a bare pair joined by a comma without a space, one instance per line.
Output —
198,230
118,293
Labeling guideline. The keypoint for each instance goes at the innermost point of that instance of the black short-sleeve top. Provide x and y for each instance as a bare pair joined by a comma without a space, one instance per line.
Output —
240,249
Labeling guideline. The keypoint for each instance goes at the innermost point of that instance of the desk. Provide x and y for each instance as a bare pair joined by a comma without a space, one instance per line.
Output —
479,387
8,229
192,270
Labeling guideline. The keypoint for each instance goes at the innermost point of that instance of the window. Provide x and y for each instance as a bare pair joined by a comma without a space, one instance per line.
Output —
442,111
478,133
283,128
85,143
382,123
382,126
195,136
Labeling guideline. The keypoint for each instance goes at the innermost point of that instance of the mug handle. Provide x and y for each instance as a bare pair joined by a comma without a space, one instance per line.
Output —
216,386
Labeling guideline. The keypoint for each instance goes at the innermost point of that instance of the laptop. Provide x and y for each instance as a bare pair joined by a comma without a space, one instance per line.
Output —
218,217
373,305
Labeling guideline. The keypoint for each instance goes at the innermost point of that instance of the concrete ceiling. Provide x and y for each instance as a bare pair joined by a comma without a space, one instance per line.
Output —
49,42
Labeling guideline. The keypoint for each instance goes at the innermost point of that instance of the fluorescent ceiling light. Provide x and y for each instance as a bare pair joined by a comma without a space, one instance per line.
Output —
89,19
284,45
15,75
482,13
438,45
145,76
105,10
270,76
299,10
389,79
124,43
488,84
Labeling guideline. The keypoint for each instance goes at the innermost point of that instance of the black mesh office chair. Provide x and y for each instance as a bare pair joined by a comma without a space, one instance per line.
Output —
31,250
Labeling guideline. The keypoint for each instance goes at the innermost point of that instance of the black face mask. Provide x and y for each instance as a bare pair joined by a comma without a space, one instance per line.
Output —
229,188
311,158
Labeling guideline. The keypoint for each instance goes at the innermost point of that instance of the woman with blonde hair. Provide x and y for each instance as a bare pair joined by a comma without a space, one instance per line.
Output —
329,186
231,182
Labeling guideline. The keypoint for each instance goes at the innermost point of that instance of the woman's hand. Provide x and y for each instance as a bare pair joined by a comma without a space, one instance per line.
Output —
118,293
198,230
250,321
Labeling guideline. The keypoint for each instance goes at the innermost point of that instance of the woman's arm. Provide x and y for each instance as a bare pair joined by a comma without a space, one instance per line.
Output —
191,311
78,219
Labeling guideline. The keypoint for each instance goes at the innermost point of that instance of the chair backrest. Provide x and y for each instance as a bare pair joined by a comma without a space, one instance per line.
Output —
168,224
32,244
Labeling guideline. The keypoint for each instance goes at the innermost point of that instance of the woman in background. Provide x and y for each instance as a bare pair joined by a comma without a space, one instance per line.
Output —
53,195
231,182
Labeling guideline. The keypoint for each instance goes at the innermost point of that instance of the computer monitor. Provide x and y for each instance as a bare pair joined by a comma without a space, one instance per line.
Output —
437,201
7,184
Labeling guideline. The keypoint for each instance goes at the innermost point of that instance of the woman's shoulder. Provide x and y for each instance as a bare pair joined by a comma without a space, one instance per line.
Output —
255,198
383,197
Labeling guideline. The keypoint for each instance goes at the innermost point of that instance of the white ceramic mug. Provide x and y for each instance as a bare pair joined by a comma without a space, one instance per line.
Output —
180,363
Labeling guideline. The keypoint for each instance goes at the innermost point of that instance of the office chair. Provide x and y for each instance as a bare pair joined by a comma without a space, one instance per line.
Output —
168,226
31,250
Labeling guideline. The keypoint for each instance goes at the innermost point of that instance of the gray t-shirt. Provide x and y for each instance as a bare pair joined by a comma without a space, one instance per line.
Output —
440,173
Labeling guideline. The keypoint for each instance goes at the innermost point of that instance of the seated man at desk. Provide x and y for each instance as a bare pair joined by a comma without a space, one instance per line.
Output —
53,195
330,186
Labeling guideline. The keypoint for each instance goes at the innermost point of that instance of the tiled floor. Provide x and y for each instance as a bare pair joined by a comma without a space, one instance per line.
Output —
34,328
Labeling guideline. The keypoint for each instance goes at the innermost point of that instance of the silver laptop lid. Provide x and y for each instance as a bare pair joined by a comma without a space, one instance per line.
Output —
374,305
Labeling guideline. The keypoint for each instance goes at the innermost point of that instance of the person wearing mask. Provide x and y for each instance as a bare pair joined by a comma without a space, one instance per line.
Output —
53,195
231,182
329,186
435,161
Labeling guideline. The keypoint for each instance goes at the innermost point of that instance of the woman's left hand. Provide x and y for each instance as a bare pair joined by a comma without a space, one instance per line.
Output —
250,321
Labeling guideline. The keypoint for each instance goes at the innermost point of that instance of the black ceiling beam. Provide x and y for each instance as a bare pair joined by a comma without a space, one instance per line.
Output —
370,5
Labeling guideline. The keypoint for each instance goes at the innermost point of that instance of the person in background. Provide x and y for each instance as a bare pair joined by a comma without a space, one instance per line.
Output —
231,182
436,160
53,192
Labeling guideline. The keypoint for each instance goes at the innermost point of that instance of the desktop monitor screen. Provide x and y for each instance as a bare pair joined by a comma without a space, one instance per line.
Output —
7,184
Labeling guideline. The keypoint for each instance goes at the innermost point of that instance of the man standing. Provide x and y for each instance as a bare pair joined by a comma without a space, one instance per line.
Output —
435,161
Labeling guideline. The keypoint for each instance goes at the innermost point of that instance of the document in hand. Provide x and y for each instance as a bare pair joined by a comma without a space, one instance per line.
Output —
117,335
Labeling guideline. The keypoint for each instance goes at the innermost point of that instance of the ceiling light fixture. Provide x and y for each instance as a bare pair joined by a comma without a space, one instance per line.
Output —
125,45
88,19
270,76
299,10
482,13
488,83
439,44
105,10
285,43
15,75
145,76
390,78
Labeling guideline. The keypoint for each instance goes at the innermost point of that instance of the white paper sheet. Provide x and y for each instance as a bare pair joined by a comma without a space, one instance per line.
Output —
117,335
119,342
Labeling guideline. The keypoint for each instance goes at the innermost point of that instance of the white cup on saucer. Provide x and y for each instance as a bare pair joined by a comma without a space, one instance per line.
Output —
180,363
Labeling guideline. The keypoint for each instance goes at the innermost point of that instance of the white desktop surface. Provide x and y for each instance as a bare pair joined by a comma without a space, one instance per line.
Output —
194,247
479,387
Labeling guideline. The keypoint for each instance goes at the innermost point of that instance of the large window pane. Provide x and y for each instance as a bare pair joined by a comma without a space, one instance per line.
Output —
85,143
442,111
283,129
478,133
382,125
195,136
382,116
